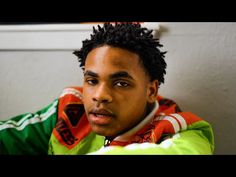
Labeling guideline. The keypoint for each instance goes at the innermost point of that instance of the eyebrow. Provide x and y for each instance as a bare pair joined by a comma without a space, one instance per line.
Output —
90,73
120,74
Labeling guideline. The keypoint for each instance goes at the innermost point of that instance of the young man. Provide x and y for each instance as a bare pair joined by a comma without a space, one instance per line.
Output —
118,110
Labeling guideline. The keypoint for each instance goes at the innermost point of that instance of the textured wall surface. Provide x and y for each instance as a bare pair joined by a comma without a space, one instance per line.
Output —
201,76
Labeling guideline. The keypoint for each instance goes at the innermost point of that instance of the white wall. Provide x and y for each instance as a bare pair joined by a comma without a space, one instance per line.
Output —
31,80
200,75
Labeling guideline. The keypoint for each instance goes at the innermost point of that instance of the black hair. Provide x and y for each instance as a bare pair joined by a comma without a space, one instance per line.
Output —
132,37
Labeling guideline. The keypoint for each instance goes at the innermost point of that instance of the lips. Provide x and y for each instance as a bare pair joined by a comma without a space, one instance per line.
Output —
102,112
101,116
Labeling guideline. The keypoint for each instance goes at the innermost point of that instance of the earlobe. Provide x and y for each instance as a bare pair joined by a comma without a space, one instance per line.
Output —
153,91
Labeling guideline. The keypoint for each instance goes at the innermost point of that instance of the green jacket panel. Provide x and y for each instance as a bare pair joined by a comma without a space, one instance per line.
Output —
190,142
28,133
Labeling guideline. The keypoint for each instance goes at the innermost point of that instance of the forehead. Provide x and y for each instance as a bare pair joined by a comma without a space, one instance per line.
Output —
107,57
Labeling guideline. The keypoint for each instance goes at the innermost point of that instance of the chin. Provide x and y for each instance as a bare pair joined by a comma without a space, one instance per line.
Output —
102,132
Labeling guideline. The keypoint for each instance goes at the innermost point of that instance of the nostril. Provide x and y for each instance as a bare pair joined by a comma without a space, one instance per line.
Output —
99,101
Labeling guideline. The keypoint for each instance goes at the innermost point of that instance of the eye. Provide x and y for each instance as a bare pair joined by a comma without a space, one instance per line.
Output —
121,84
91,81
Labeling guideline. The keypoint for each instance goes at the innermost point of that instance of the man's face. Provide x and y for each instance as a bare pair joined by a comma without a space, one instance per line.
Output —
116,90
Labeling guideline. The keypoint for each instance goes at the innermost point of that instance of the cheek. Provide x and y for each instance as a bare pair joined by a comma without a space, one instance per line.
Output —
87,91
133,111
135,101
86,97
136,96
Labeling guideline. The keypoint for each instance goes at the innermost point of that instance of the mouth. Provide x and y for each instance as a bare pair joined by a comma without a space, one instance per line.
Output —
101,116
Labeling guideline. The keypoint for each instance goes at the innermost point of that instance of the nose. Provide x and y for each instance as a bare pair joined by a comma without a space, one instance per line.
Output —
102,95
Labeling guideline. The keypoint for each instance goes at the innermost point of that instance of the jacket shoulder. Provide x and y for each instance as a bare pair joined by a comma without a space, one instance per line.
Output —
167,105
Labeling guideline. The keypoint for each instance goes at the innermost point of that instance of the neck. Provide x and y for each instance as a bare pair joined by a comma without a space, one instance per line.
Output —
149,108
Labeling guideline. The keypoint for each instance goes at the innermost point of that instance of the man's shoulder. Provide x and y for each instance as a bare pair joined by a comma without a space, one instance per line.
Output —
76,91
71,97
77,88
167,105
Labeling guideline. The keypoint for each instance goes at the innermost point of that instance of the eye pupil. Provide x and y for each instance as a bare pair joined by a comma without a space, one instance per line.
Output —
122,84
91,81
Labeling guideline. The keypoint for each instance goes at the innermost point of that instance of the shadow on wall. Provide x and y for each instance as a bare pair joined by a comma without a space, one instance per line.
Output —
200,77
212,99
206,92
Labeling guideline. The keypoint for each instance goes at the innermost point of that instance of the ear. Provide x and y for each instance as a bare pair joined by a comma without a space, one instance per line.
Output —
152,91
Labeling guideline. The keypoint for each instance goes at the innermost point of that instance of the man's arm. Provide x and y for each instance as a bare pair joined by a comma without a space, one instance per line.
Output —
28,133
184,143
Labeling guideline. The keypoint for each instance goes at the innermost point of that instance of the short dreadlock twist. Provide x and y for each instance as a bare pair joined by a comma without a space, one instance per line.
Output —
132,37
